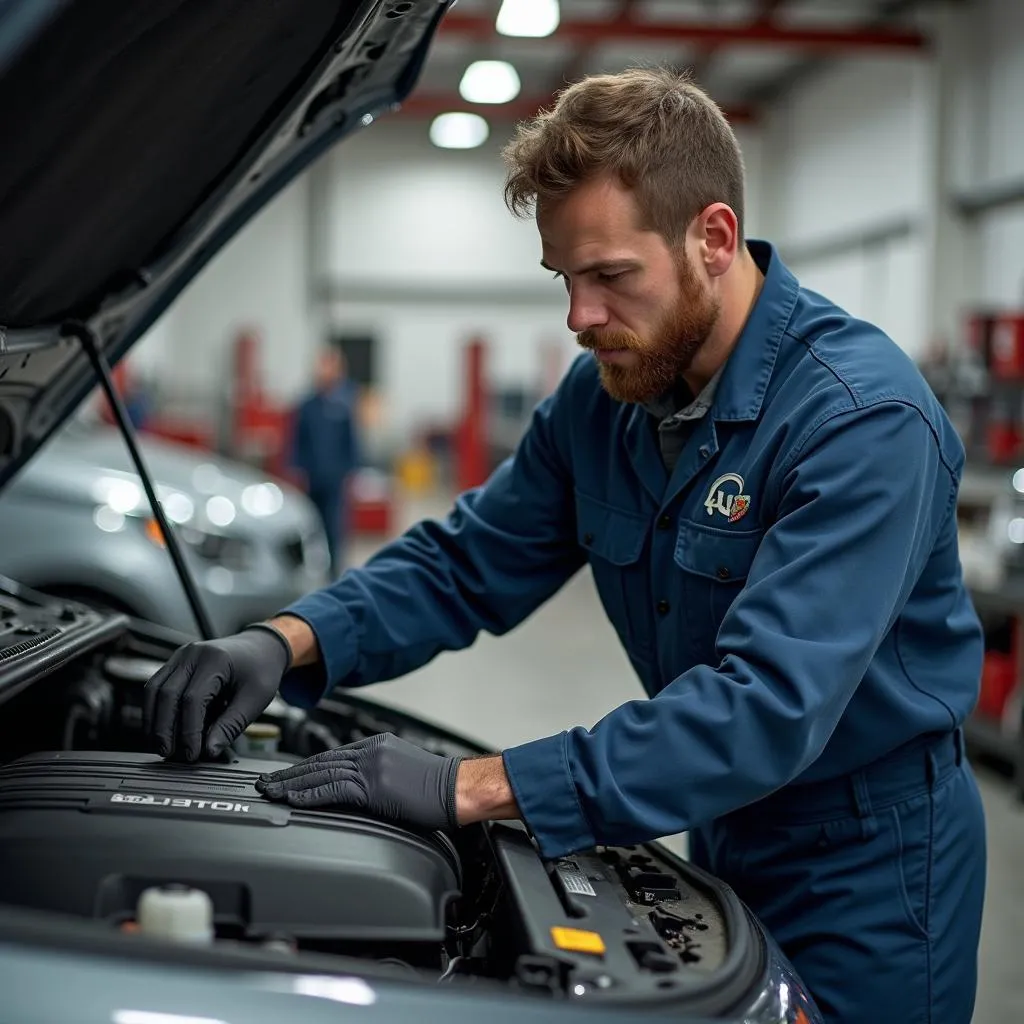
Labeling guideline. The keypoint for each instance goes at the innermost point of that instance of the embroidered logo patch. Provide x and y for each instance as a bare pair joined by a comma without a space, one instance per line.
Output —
739,507
727,498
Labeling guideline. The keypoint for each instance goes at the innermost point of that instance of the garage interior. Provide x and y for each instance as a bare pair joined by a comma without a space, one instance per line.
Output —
884,157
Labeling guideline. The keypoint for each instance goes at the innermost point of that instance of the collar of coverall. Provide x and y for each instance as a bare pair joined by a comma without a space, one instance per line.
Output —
736,391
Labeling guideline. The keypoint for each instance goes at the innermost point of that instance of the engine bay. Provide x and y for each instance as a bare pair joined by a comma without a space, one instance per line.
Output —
93,825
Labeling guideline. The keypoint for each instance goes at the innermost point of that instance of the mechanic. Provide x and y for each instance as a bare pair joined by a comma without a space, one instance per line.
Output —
325,447
765,489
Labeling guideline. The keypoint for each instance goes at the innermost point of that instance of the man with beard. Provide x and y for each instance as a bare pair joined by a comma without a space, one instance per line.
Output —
765,490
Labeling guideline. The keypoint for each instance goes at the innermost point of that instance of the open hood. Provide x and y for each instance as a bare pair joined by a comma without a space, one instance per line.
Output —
141,137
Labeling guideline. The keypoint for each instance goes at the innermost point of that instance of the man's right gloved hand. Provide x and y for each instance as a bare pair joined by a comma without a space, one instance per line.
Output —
237,675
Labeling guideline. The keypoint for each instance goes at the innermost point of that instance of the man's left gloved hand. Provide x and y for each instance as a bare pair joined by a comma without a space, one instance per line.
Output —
383,776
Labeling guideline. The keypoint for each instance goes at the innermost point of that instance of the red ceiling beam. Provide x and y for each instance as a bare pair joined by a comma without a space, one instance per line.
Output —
588,33
578,64
428,105
764,16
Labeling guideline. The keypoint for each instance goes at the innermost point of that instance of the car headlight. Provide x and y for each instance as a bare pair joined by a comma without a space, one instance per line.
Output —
232,553
784,999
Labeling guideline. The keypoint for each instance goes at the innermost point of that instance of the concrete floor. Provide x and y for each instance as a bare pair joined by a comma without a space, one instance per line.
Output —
564,667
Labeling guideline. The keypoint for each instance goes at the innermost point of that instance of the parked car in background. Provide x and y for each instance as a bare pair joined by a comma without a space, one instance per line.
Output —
76,523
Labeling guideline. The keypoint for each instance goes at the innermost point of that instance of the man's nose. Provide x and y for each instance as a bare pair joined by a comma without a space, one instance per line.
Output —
585,311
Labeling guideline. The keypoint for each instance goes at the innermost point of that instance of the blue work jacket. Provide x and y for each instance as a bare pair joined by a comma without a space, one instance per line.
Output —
324,442
791,596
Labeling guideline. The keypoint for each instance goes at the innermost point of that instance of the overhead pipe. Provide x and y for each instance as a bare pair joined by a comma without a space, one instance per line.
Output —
858,239
986,198
581,57
764,15
424,106
621,30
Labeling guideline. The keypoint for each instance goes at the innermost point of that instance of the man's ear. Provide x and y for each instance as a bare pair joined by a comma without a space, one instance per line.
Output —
719,237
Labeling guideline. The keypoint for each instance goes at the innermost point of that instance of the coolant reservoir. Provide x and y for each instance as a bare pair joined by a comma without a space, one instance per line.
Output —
259,740
176,912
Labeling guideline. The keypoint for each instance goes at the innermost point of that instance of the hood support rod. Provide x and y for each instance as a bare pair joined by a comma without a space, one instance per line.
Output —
101,367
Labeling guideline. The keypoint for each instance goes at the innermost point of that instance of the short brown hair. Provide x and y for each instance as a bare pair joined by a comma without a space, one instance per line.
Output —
664,137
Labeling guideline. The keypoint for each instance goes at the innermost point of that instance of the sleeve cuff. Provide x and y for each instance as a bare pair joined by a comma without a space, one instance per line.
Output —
335,632
543,786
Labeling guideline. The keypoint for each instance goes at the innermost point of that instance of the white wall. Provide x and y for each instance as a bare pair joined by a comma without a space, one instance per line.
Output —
404,212
258,280
408,213
1003,22
1001,150
878,142
423,252
416,235
416,247
1002,268
848,150
846,156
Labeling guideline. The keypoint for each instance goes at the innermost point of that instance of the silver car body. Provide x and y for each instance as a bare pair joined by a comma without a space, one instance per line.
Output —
76,522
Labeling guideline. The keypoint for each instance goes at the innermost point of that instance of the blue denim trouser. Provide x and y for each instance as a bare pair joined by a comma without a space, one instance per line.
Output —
330,504
873,884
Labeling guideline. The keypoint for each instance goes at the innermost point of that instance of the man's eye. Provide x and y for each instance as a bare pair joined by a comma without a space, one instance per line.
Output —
612,277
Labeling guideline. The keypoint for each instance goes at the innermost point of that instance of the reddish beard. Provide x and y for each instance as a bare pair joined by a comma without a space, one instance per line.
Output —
668,353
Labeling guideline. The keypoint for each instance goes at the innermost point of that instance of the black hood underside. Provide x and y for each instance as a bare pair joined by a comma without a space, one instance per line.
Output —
123,117
142,134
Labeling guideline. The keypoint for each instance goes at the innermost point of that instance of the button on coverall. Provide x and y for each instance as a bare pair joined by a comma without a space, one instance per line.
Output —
792,601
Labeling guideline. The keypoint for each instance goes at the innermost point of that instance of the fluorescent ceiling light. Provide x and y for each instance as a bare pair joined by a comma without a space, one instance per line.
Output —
458,131
533,18
489,81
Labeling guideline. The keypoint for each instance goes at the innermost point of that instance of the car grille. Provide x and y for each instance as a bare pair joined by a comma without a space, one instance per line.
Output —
293,553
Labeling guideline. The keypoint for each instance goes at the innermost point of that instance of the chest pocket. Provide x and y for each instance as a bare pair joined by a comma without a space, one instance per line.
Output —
714,567
614,540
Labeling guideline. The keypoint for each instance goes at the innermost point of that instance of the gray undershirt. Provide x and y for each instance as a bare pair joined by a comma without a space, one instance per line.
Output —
678,413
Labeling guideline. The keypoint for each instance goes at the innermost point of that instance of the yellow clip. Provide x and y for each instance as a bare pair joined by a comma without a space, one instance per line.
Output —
575,941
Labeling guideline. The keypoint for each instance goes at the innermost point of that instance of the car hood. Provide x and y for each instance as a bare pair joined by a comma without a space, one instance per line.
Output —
93,465
143,140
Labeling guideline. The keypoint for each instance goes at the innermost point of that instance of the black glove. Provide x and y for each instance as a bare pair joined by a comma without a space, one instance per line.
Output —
383,775
229,681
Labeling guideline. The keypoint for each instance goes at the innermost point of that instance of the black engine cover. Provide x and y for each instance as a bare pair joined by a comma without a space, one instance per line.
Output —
85,832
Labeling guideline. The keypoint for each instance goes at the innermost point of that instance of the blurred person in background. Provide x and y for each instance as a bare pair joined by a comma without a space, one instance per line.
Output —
325,446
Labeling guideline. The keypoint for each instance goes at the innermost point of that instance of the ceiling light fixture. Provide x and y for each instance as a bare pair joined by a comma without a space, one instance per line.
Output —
458,131
530,18
490,81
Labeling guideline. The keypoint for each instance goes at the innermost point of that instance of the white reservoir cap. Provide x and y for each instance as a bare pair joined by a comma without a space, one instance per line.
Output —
176,912
259,739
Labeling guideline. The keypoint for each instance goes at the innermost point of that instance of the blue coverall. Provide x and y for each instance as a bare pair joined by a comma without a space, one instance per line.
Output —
791,598
325,448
